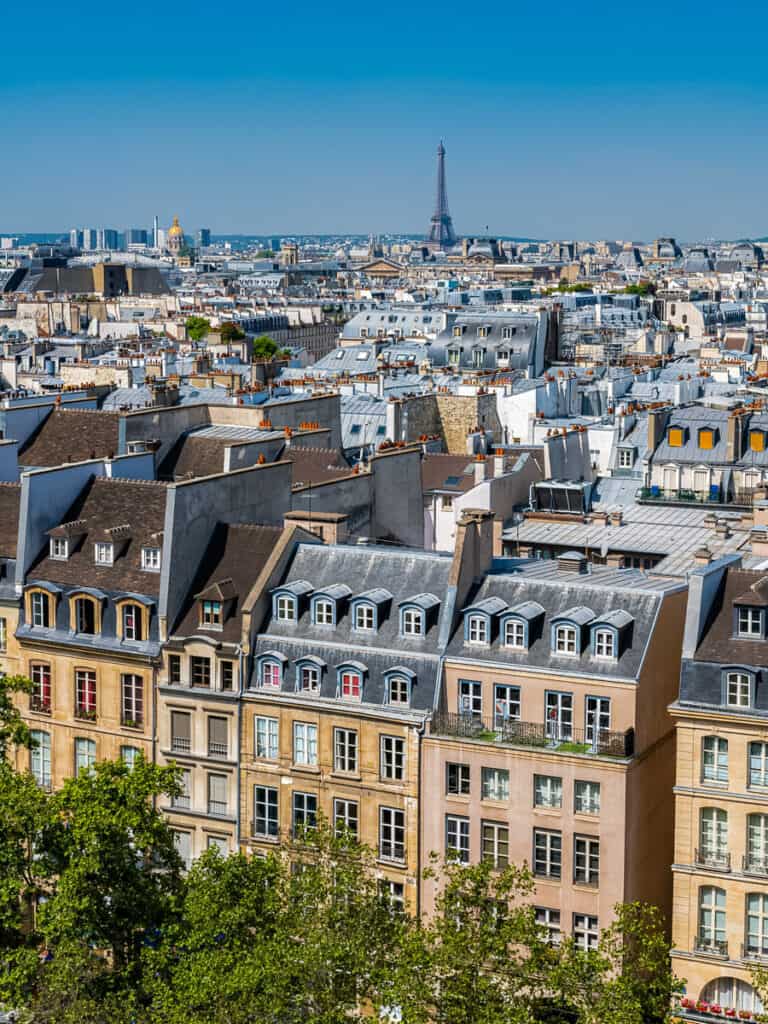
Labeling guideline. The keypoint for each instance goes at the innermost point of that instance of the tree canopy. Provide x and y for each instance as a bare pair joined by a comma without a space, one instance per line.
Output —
197,327
265,348
230,331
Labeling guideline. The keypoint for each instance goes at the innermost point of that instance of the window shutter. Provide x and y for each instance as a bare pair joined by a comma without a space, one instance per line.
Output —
181,725
217,731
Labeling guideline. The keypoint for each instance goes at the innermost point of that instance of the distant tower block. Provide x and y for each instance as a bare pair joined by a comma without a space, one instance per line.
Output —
441,226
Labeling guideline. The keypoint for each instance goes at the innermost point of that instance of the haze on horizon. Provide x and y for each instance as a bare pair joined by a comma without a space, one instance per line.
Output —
586,122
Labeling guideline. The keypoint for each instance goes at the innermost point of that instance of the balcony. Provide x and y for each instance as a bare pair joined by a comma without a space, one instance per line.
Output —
219,750
535,734
713,498
749,951
40,704
132,721
180,744
710,947
717,859
753,865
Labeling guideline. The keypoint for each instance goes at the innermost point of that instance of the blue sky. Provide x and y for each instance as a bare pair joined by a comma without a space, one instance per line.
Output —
560,120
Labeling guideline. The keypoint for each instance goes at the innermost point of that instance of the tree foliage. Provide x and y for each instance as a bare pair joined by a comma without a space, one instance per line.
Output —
197,327
13,729
229,331
265,348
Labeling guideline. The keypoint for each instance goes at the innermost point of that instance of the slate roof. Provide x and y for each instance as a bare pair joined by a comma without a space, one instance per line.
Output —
105,503
316,465
692,419
718,643
71,435
441,472
566,595
234,557
10,496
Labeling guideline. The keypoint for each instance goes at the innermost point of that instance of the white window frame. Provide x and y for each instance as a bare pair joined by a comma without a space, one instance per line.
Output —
268,670
59,548
548,791
267,800
392,834
323,612
566,640
345,750
41,609
548,919
494,784
103,552
547,853
738,690
402,685
586,800
626,458
285,608
305,744
514,634
412,622
346,817
457,838
749,622
392,755
586,860
310,673
151,559
494,842
477,630
266,737
605,644
758,751
714,759
365,614
586,933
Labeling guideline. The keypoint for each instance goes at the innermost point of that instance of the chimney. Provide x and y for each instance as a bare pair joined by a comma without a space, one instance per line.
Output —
722,529
733,437
617,517
498,462
481,466
573,561
702,556
657,422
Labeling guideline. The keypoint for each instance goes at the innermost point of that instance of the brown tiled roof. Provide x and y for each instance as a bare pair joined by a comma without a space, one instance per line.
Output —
436,468
719,644
316,465
233,560
72,435
102,504
10,496
194,456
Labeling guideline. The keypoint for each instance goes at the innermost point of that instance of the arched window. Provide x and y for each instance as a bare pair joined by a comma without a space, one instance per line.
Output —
713,838
714,759
732,993
711,936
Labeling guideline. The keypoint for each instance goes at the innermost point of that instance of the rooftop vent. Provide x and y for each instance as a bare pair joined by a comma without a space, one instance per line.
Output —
572,561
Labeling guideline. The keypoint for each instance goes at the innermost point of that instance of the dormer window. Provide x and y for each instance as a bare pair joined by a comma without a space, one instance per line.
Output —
757,440
365,617
477,629
285,608
605,643
150,559
211,614
457,332
412,622
132,622
271,674
59,548
626,458
309,679
514,634
482,332
454,356
103,553
565,640
323,612
706,438
675,437
351,685
398,691
738,689
41,610
85,615
750,622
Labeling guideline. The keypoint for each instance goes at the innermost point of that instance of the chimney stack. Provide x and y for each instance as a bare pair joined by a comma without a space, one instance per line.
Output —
481,466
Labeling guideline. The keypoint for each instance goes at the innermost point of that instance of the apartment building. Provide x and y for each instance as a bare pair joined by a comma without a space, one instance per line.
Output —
551,744
720,869
345,671
10,497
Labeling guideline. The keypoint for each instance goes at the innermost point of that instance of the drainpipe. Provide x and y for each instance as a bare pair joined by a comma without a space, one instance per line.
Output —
241,663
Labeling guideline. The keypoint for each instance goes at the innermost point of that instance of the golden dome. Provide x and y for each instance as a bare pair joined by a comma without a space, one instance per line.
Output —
175,229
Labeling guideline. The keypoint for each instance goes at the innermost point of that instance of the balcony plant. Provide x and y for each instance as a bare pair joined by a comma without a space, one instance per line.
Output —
745,1015
716,1008
702,1006
687,1003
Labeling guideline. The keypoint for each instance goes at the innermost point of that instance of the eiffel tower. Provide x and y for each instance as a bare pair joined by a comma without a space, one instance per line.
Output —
441,226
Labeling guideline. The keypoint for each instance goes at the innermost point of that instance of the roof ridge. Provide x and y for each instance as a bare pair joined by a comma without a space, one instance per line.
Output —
128,480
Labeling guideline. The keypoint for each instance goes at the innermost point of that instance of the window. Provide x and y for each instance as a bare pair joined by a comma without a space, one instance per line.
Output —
218,843
457,779
470,697
713,837
132,687
132,622
597,718
3,636
506,706
626,458
85,693
675,437
218,738
41,610
514,633
174,668
211,614
457,838
750,622
286,609
446,502
345,818
103,554
547,791
304,812
495,843
495,784
183,841
150,559
40,698
85,615
478,358
756,441
217,795
392,894
351,685
309,679
227,675
706,438
758,764
547,853
757,842
345,750
711,918
586,860
181,732
59,548
40,758
586,797
85,754
364,617
548,920
397,691
585,931
271,674
265,819
391,834
323,613
477,629
559,715
392,758
304,743
605,643
200,670
738,689
714,759
413,622
129,755
757,924
565,640
266,737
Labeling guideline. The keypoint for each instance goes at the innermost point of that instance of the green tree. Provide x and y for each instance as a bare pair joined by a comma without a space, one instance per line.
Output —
13,729
229,331
197,327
